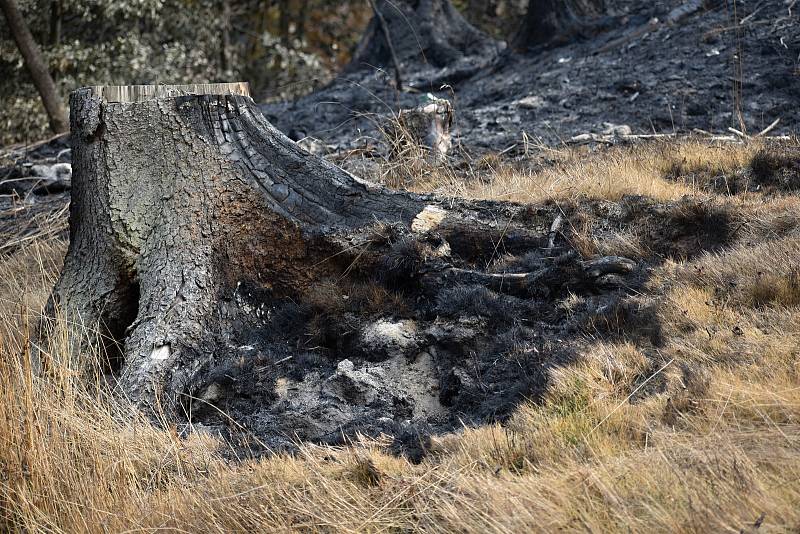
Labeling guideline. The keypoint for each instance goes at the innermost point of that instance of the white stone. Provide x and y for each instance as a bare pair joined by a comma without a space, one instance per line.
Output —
345,366
390,337
530,102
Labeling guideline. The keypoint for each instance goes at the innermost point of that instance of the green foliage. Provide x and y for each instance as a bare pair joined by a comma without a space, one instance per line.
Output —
113,42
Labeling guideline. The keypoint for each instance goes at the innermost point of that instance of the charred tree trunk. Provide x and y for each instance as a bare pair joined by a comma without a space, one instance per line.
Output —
554,21
427,31
191,215
36,66
387,39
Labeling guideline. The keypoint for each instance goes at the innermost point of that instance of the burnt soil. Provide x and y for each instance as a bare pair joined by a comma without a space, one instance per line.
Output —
673,78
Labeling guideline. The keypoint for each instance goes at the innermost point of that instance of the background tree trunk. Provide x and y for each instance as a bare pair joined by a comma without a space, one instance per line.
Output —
36,66
56,13
548,21
284,16
225,38
428,31
387,39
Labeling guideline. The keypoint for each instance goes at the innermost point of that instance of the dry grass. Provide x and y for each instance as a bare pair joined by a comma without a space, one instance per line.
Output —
713,445
663,171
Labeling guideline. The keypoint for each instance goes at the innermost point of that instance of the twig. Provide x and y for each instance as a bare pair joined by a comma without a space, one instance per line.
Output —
643,384
750,16
769,128
738,132
507,150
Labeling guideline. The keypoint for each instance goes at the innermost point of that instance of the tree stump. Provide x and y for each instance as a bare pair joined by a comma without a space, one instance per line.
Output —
425,127
191,214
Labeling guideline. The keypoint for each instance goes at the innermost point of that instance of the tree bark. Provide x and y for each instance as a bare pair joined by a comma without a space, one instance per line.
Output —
36,66
427,31
554,21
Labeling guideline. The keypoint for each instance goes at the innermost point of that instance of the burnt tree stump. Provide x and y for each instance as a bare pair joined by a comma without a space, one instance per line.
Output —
183,194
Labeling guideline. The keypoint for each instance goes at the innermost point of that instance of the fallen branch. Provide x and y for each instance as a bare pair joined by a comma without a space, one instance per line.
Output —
739,136
738,132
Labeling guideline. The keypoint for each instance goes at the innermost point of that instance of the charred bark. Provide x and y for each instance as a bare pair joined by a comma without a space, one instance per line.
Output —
555,21
426,31
185,206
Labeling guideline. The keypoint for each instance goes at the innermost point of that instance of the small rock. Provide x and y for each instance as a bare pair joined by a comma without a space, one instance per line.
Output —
345,366
619,130
313,145
54,178
57,171
530,102
212,393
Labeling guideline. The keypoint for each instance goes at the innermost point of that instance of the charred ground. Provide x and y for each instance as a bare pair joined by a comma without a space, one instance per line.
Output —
622,70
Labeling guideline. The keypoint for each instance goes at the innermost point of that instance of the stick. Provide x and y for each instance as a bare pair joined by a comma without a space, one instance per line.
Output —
750,16
738,132
769,128
598,425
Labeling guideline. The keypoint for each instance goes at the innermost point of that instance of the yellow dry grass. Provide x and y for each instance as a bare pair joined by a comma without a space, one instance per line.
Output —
713,445
648,170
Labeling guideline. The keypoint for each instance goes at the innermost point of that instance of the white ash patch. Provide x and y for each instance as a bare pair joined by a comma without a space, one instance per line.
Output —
390,337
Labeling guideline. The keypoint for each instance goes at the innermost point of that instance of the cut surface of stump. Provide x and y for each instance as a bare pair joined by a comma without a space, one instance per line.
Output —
236,270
